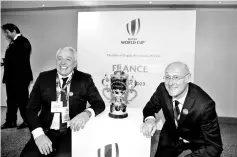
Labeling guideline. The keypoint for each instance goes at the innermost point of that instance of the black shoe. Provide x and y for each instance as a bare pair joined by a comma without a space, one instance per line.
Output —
8,125
23,125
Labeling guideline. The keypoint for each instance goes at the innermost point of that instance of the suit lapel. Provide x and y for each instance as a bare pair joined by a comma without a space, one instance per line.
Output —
170,107
73,88
188,104
53,95
53,82
168,101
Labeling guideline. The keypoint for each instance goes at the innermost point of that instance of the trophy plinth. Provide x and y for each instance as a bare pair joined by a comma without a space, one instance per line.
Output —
112,115
118,84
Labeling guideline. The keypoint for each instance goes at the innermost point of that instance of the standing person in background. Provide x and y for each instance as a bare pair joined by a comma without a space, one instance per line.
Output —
17,75
190,114
61,96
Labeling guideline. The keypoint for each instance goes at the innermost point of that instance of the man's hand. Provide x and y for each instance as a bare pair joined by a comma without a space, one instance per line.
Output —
148,128
44,144
79,121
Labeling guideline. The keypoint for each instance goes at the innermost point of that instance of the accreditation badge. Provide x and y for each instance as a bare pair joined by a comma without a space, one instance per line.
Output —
56,106
65,115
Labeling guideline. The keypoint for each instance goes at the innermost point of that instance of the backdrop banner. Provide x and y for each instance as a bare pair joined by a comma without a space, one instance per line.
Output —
139,43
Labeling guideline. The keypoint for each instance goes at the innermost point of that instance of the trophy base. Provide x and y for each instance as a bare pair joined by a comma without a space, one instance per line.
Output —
118,116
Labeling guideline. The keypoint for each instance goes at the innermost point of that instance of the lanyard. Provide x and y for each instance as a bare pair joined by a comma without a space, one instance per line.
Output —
60,89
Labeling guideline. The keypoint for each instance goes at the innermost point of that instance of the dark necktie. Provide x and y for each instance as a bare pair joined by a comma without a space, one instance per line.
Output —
63,126
63,94
176,110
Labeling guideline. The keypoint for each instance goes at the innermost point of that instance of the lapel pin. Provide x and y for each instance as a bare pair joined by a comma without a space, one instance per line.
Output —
185,111
70,93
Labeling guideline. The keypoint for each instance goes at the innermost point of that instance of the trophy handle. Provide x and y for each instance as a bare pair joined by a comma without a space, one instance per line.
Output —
134,96
106,81
106,90
132,83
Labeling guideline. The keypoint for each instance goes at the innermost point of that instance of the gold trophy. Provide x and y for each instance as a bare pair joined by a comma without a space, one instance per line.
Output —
119,85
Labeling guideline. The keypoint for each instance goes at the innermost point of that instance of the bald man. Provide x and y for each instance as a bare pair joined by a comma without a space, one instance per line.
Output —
190,114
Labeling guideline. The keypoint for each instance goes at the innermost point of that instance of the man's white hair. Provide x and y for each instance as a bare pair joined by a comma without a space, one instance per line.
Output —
68,49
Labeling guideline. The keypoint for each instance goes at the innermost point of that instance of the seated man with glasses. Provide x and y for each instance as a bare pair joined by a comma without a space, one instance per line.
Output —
190,114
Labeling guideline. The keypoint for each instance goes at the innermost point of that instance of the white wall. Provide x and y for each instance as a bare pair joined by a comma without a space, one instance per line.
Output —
215,60
47,31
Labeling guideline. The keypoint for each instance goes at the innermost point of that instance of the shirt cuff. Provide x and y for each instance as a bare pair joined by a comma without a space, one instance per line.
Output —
150,117
37,132
92,112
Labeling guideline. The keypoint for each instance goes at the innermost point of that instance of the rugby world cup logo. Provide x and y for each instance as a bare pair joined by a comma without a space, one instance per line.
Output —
133,27
110,150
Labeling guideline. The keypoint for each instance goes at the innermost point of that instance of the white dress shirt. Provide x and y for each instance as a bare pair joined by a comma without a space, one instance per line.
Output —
17,35
181,104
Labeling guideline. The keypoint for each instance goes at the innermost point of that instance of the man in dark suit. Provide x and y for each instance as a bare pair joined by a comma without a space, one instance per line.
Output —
17,74
61,96
191,119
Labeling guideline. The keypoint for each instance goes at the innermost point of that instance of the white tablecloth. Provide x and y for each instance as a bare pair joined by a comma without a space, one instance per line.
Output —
103,130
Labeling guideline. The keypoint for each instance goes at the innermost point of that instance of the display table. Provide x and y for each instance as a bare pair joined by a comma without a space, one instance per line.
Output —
122,136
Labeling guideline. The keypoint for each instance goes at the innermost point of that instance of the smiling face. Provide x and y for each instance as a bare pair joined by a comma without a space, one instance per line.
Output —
65,61
177,83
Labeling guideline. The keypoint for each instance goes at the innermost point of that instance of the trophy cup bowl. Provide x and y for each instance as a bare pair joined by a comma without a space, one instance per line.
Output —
118,106
118,85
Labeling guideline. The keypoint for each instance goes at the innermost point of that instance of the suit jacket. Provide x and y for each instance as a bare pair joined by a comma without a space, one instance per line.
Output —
199,125
44,92
17,61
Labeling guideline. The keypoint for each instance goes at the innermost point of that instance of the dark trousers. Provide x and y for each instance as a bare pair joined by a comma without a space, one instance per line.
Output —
61,145
169,145
17,97
175,151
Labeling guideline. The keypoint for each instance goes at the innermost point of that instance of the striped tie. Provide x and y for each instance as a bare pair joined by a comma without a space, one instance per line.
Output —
63,126
176,110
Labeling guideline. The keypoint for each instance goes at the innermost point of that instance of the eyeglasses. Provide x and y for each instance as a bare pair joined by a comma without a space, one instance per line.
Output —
174,78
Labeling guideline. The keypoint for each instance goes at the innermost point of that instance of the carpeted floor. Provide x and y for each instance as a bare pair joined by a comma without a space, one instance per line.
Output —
14,140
